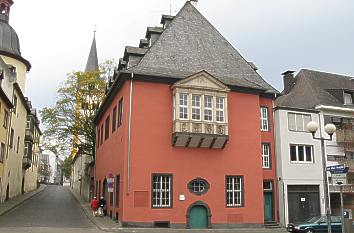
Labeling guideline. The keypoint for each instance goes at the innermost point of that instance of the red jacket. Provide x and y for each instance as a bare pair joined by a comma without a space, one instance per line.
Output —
94,204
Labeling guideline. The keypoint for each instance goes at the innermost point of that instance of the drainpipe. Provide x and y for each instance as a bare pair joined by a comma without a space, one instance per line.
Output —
129,131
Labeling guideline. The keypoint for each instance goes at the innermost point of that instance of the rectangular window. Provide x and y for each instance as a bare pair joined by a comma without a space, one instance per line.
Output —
114,119
301,153
106,130
208,108
161,191
196,107
220,109
6,118
11,143
98,137
234,191
26,150
264,119
2,152
183,106
18,144
117,190
348,98
120,112
265,155
15,103
298,121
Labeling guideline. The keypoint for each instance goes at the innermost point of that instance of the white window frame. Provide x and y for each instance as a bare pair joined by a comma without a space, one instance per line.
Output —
219,109
348,98
196,106
305,153
208,107
174,107
183,106
234,194
264,118
265,155
161,197
299,117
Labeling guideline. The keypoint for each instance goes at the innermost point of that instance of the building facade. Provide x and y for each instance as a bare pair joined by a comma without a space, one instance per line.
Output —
185,133
13,72
323,98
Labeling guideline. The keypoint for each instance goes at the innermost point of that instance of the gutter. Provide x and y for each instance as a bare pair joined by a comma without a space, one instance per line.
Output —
333,108
129,131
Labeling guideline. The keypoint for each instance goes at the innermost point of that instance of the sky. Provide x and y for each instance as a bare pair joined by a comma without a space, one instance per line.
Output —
277,35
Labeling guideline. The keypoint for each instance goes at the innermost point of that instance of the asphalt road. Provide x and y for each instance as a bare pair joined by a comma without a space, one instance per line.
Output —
54,208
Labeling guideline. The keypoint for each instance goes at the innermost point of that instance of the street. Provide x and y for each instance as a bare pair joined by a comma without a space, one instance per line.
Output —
55,210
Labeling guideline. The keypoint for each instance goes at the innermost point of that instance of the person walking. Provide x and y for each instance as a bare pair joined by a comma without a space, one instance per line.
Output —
102,207
94,206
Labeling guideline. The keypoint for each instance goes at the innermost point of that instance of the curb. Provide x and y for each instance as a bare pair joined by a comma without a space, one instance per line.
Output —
88,213
33,193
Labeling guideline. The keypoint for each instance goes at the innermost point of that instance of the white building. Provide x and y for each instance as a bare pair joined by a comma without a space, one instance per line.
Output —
323,98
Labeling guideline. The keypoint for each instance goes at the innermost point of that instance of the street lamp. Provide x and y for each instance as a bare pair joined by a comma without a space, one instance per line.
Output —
312,127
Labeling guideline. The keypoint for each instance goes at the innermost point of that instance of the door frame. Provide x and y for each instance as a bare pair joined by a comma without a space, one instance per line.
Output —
273,199
198,203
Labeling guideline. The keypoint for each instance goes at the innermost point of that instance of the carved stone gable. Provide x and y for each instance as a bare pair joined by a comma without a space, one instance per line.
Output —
202,80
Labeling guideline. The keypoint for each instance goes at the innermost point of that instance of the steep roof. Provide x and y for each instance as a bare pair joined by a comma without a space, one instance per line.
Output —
189,44
92,60
313,88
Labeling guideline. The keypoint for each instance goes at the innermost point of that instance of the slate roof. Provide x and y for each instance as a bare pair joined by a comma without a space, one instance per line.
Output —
189,44
314,88
92,60
9,42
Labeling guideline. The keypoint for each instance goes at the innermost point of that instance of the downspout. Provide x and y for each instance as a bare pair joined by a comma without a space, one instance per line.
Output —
129,131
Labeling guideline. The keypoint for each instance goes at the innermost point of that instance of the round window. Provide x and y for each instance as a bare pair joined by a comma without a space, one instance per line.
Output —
198,186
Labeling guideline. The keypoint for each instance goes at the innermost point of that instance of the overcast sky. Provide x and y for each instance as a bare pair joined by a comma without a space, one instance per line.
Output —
277,35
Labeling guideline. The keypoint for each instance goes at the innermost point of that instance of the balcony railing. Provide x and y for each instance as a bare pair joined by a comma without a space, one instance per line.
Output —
199,134
26,163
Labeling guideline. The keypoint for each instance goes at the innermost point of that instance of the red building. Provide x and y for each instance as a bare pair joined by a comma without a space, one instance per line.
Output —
185,133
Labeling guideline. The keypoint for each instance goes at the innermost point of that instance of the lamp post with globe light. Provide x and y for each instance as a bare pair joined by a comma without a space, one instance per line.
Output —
312,127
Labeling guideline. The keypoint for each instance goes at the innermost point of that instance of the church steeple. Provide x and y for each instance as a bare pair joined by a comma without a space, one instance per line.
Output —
92,61
5,6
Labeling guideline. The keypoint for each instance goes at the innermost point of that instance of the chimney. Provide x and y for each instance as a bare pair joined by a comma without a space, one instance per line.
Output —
194,3
288,81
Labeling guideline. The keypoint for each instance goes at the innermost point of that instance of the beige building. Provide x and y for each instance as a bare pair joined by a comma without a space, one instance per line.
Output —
5,106
17,173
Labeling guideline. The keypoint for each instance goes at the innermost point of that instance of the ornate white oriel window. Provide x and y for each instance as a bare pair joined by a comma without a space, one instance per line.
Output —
200,112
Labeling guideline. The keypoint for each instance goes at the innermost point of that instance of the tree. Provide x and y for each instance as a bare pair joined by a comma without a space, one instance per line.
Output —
69,124
66,167
44,171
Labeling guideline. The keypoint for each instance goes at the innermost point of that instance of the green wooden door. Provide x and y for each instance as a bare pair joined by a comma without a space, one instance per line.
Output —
198,217
268,206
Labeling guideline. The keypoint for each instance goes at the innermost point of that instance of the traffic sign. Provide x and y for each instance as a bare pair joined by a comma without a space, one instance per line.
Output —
337,169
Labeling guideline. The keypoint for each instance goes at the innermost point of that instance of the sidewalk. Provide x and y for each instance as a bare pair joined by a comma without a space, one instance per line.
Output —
14,202
108,225
103,223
